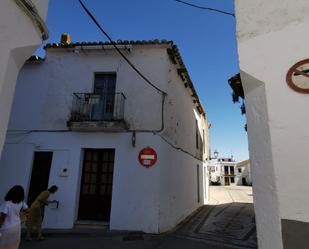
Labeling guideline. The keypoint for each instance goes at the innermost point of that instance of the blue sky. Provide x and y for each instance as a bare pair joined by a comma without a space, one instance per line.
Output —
206,41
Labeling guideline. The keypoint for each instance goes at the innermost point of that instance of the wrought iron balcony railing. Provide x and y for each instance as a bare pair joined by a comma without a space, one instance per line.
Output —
97,107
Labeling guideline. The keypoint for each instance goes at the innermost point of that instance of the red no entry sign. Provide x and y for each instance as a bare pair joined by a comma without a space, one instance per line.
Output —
147,157
298,76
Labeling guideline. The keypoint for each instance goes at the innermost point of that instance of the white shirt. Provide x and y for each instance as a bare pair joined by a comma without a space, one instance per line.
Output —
12,211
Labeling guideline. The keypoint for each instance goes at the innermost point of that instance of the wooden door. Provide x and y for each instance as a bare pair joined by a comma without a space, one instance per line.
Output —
40,174
96,185
226,181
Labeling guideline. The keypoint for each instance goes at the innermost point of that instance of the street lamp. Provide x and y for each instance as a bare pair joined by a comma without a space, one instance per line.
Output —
216,153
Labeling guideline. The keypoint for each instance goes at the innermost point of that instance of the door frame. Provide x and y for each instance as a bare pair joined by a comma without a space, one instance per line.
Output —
100,72
93,84
79,180
227,179
27,189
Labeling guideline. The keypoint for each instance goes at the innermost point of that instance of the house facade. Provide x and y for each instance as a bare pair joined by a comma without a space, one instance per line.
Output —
121,152
224,171
244,173
22,31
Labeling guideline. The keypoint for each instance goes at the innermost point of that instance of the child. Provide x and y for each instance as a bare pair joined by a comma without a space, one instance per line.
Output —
10,217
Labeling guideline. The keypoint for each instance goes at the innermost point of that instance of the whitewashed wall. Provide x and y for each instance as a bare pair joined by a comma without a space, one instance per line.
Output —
19,38
245,173
273,36
219,171
64,73
153,200
178,185
56,79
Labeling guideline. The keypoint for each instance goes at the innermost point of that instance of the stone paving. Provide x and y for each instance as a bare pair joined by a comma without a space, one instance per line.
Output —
229,194
228,219
227,222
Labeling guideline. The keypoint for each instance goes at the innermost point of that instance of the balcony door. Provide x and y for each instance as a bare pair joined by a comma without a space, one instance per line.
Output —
104,87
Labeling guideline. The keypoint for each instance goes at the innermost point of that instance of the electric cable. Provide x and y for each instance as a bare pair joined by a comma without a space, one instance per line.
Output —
206,8
144,78
179,148
132,66
118,50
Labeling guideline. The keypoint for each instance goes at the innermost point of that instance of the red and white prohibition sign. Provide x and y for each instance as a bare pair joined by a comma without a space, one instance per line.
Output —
298,77
147,157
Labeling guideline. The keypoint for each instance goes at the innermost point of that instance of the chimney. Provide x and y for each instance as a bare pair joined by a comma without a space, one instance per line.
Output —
65,39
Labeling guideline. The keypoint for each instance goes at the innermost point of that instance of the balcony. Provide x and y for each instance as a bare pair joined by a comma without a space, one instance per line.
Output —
97,112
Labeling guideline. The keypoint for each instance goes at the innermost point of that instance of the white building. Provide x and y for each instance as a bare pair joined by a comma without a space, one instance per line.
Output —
272,37
243,172
80,118
22,32
224,171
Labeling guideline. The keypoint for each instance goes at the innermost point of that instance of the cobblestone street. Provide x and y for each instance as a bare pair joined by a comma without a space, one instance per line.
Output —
227,222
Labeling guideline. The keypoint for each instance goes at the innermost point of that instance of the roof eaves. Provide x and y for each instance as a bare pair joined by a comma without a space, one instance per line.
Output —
243,163
172,51
119,42
182,71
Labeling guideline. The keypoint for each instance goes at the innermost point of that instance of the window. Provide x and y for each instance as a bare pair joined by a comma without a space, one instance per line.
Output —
196,134
226,170
198,182
205,181
232,170
204,149
239,170
232,179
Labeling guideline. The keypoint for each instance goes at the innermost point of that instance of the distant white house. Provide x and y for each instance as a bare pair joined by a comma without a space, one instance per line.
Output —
120,151
226,171
244,173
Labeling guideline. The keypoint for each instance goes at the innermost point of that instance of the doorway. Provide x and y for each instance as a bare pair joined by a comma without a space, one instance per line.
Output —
104,87
96,185
226,181
244,181
40,174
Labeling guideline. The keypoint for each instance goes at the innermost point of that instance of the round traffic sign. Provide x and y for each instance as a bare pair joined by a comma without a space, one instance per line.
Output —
147,157
298,76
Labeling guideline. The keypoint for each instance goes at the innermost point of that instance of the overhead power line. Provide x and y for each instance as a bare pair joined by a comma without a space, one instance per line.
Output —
206,8
118,50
